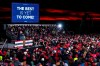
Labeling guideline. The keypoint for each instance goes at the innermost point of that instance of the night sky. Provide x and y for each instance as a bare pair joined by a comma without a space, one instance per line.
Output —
54,11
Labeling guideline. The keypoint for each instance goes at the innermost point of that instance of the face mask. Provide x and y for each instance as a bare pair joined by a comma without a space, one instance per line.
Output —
54,51
10,58
25,53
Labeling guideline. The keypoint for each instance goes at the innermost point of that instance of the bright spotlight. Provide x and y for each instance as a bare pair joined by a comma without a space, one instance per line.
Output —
59,25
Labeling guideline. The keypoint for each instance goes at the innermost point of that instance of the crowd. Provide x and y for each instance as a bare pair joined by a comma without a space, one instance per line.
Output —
58,48
29,32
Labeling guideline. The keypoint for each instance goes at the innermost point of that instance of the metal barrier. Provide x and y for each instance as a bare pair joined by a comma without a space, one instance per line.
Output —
4,44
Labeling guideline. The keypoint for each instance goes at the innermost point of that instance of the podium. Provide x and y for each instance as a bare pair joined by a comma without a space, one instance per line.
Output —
23,43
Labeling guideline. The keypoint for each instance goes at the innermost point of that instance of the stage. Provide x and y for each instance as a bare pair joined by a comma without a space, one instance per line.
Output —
12,46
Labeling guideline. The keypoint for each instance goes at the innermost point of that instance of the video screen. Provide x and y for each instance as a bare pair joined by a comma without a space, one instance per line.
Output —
25,12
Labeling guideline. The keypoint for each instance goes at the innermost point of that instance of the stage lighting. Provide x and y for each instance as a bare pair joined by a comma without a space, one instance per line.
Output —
59,25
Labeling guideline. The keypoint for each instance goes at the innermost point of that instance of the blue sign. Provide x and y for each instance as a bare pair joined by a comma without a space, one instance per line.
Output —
25,12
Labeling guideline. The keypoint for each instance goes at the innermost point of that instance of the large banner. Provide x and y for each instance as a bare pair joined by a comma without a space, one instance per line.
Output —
25,12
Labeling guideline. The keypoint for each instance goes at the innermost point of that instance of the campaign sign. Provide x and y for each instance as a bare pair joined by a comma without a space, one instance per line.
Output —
25,12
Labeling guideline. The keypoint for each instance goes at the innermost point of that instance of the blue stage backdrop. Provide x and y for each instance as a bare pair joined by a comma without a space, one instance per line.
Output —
25,13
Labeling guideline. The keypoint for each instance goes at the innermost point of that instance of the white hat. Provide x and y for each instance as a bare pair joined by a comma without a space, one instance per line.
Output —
54,64
65,64
25,53
55,51
26,49
42,59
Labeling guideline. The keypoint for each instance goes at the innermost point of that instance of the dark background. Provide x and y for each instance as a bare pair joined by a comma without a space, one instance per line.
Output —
71,18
